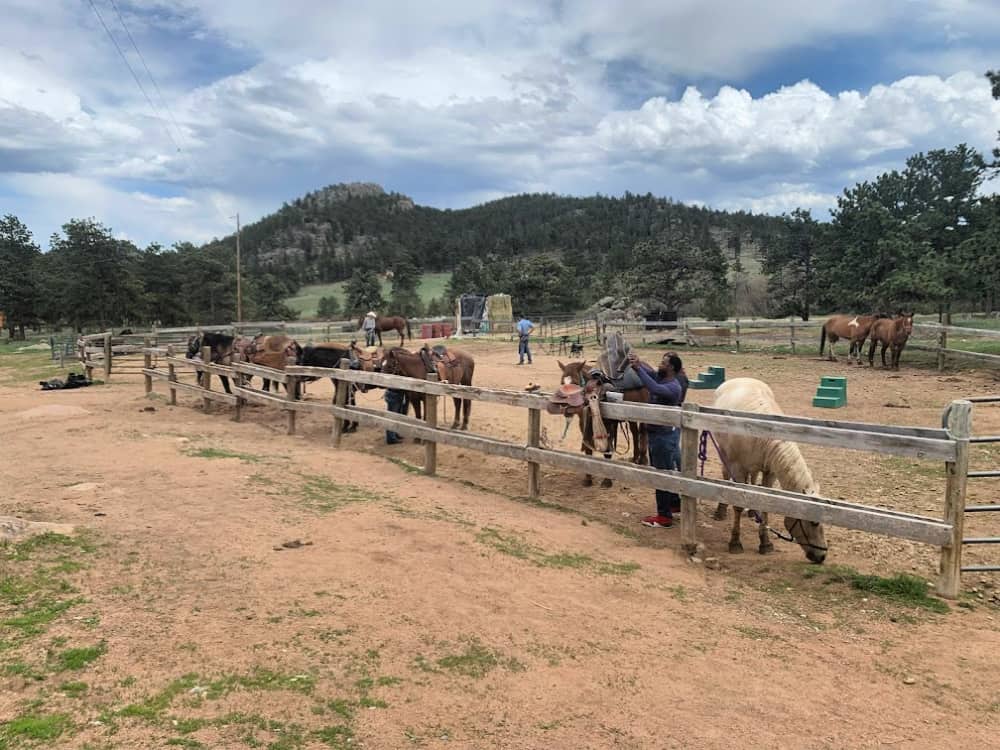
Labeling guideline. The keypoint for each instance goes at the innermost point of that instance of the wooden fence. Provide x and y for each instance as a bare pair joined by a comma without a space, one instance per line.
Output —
949,444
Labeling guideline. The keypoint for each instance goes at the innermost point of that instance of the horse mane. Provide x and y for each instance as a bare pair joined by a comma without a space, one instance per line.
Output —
784,460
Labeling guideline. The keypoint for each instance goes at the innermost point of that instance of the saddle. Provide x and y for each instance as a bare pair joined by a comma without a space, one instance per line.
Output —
439,361
568,399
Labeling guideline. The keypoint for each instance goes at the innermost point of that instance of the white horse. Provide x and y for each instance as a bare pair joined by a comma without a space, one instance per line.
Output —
780,460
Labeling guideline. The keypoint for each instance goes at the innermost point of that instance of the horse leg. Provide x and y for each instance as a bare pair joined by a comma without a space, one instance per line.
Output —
588,480
735,546
832,356
225,383
884,347
401,339
766,547
466,413
896,352
458,413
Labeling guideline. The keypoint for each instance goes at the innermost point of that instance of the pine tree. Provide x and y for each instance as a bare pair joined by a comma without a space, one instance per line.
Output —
19,291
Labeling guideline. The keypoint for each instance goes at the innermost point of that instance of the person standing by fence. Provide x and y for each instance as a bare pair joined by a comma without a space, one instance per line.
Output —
396,402
369,328
524,329
665,389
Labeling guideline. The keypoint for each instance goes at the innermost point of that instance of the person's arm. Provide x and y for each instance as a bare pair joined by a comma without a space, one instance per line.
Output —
670,390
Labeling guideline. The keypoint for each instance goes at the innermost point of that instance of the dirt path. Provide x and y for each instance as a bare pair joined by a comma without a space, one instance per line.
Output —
450,612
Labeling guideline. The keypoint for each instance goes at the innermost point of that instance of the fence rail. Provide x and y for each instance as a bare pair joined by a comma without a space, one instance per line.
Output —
949,445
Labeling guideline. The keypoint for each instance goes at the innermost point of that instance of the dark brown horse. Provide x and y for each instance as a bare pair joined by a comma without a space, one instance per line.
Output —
393,323
450,365
852,328
578,374
890,333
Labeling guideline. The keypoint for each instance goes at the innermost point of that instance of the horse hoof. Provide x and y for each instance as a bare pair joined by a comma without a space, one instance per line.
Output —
765,549
454,426
605,483
465,427
735,548
588,482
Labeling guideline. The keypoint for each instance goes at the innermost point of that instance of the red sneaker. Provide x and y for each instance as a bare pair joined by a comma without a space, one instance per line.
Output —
658,522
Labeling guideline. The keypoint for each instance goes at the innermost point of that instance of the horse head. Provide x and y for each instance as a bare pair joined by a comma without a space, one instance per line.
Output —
808,534
194,346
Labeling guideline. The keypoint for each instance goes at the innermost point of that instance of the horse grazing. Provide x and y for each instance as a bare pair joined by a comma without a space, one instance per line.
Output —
851,328
745,457
392,323
450,365
578,373
890,333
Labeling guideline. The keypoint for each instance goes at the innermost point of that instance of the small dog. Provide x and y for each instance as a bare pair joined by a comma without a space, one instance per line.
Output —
575,348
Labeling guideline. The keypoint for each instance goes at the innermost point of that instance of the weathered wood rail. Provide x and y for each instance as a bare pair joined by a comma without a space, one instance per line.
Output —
948,444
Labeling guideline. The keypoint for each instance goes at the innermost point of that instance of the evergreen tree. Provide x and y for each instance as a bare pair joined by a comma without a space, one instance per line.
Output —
405,278
329,307
790,261
19,266
364,293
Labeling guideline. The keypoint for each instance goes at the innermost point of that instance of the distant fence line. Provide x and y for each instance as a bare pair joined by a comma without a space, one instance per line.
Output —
949,444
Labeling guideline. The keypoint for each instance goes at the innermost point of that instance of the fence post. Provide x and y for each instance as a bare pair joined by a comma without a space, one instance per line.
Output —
942,345
206,376
107,356
958,420
291,395
340,399
689,468
534,441
737,335
147,363
431,418
791,333
171,375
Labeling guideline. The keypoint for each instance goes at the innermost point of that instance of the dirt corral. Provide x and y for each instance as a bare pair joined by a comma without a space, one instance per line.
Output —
408,611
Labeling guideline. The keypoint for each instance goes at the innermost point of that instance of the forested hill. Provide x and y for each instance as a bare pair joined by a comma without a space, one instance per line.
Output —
325,235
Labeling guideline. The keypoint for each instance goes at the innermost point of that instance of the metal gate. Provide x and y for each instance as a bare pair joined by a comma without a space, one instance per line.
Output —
993,507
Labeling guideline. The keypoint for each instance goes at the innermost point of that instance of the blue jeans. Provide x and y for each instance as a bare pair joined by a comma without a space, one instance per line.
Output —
665,453
397,402
522,349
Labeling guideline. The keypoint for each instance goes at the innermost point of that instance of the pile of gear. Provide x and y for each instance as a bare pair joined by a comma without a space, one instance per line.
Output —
72,381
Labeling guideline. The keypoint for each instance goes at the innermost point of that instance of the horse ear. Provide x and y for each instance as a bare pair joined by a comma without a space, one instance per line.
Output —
561,365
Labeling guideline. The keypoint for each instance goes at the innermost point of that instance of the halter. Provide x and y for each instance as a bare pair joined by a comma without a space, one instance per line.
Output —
703,456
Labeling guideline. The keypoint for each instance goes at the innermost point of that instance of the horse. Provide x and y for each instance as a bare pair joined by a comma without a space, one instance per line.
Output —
392,323
853,328
450,365
745,457
604,439
224,349
577,372
330,355
891,333
273,352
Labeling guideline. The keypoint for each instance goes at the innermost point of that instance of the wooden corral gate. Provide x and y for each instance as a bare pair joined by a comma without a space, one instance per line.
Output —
982,474
949,444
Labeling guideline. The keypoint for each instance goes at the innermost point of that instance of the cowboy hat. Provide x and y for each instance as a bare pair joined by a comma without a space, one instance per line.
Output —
370,314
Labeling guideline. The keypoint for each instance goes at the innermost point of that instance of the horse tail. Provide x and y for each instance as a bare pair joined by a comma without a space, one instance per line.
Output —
409,333
822,340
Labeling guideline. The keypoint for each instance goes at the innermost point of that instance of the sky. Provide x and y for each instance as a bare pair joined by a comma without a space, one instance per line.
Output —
764,106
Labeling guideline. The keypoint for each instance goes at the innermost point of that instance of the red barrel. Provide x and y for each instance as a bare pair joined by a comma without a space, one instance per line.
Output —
435,330
425,330
446,329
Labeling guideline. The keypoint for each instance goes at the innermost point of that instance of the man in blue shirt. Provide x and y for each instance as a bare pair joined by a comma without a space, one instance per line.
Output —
665,389
524,329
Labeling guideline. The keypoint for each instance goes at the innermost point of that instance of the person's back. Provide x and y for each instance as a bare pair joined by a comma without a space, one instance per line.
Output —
524,329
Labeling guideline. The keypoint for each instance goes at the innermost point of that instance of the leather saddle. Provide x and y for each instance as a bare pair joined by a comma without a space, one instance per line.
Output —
568,399
438,361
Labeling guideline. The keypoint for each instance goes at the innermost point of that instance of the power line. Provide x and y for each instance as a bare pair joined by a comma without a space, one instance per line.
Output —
163,101
131,70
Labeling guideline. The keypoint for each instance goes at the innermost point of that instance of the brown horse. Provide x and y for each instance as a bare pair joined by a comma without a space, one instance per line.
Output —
392,323
891,333
450,365
578,371
274,352
853,328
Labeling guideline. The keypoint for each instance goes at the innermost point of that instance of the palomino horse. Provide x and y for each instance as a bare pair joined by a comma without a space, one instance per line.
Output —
450,365
577,372
891,333
745,457
393,323
853,328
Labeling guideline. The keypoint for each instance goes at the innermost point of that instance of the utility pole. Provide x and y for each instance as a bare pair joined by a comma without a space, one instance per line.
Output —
239,281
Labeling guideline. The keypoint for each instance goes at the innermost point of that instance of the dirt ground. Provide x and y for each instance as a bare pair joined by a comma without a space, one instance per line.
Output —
453,612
